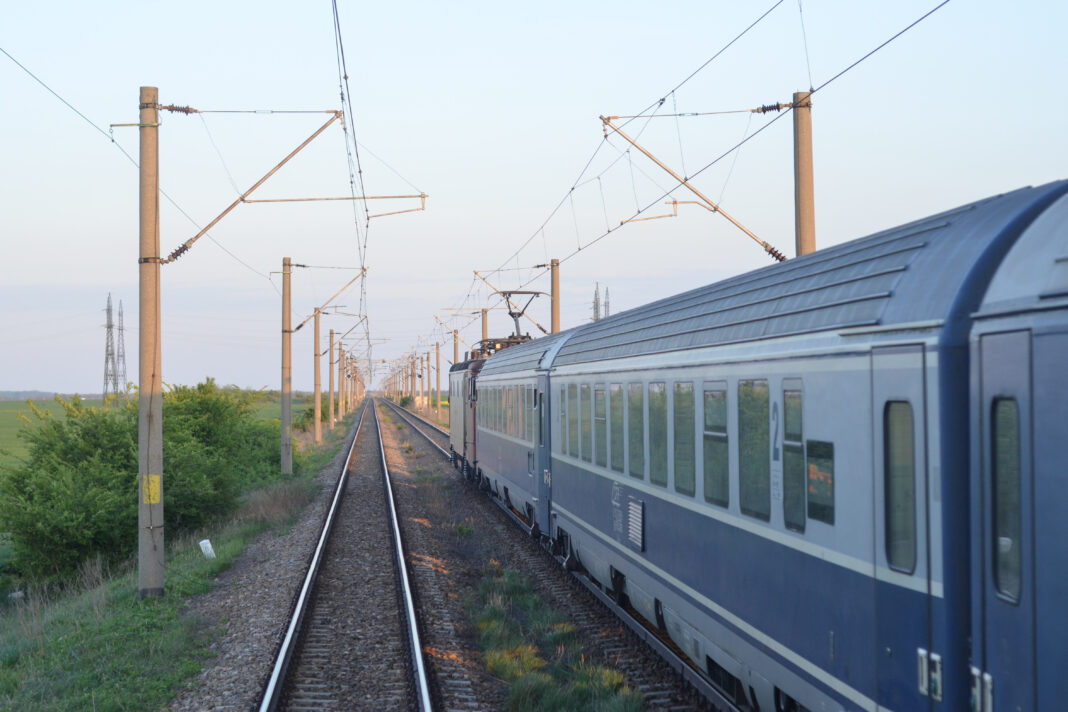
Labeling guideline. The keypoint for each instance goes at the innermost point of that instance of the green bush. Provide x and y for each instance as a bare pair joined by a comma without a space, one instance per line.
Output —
306,419
75,496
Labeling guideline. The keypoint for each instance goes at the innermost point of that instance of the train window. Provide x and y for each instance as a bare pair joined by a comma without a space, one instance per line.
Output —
717,490
585,436
636,430
793,463
513,411
521,411
532,414
506,422
520,419
658,434
561,407
900,474
615,417
754,448
820,481
572,420
600,427
539,409
685,467
1005,441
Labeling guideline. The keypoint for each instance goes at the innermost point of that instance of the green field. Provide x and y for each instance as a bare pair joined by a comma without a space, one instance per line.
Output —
11,448
270,407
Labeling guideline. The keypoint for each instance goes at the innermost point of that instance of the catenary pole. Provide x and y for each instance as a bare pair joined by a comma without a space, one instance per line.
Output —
331,369
456,346
318,388
150,552
437,369
287,371
804,182
340,379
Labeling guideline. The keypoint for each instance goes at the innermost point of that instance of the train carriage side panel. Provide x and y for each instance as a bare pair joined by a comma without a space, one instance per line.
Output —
695,557
513,440
1019,478
463,411
923,278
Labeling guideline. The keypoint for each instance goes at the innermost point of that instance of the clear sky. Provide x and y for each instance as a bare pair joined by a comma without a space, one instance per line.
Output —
491,109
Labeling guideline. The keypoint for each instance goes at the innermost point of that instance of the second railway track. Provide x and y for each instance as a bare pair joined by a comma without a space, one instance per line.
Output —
355,649
653,671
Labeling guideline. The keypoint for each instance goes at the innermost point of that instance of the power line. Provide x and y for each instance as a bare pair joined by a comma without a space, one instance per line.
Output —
355,174
655,105
383,162
770,123
111,139
753,135
923,17
804,39
219,154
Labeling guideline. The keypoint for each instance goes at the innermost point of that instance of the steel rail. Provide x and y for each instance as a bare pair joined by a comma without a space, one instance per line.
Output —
404,412
682,667
416,647
273,691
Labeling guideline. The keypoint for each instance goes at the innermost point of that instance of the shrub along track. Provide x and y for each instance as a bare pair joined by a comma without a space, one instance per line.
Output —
453,532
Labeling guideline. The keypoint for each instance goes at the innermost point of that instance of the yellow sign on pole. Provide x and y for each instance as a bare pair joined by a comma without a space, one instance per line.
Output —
150,489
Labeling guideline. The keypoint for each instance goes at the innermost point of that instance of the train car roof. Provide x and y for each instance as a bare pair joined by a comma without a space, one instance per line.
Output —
934,269
525,356
463,365
1034,273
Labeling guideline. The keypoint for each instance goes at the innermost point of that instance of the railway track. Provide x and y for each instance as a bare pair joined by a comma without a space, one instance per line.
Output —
353,641
620,640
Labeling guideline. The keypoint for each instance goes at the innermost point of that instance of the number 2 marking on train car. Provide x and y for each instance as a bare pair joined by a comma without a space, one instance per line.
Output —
775,434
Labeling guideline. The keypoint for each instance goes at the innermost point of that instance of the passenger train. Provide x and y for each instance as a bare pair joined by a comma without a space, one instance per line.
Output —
835,483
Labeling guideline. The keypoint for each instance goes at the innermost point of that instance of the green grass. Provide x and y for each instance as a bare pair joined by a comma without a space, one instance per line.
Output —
100,647
536,651
11,448
270,407
96,646
312,461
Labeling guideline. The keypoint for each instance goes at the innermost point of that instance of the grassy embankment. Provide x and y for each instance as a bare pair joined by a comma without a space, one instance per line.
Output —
533,649
526,643
93,645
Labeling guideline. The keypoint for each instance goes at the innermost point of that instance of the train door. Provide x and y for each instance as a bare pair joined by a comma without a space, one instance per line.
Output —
542,452
1006,680
470,421
903,657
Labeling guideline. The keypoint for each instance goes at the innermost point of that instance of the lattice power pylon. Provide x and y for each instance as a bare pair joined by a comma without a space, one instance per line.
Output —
111,383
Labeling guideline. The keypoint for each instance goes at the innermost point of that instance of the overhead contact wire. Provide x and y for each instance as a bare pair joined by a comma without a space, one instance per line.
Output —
133,161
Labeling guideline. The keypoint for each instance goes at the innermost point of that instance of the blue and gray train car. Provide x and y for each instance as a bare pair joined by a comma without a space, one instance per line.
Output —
835,483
